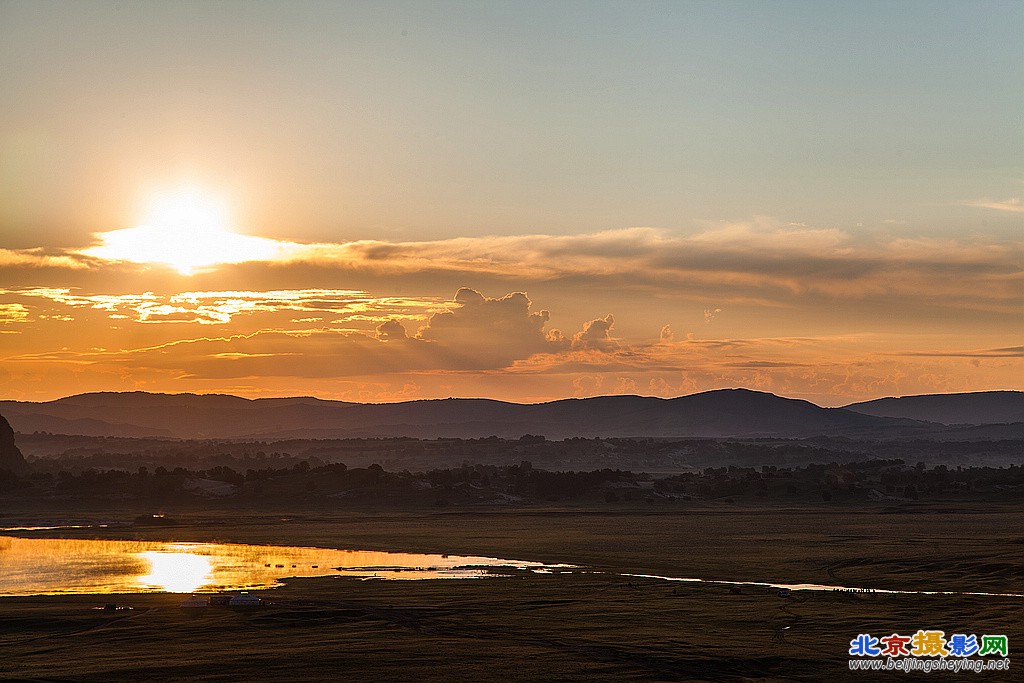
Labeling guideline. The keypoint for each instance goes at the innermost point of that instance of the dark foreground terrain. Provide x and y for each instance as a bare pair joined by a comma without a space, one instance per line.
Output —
540,627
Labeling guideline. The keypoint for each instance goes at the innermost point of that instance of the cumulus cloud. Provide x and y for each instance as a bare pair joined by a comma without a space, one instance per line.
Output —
626,385
476,314
710,313
490,332
587,385
476,333
262,335
392,330
596,334
557,337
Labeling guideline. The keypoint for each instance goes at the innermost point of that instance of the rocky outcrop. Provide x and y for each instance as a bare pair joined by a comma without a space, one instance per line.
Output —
10,457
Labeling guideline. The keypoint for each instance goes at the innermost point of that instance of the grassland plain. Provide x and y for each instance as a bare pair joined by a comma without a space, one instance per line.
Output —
571,627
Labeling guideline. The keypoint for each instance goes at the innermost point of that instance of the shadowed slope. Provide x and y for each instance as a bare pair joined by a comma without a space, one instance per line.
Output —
983,407
10,456
726,412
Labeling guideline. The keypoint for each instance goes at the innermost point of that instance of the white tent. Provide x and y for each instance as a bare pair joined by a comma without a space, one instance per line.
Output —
244,600
195,601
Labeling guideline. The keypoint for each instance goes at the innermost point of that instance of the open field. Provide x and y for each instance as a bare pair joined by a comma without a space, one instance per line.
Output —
581,626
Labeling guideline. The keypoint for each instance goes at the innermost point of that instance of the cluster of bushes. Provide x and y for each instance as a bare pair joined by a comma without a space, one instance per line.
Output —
468,484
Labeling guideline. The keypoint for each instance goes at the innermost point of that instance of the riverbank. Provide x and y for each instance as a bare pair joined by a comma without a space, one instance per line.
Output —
549,626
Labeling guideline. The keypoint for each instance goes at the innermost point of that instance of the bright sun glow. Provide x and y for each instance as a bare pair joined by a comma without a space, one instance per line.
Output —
187,231
176,572
189,211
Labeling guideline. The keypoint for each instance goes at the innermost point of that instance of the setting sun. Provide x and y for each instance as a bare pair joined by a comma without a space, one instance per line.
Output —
187,210
187,231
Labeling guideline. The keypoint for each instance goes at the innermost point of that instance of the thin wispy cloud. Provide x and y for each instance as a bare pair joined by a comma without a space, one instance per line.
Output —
763,260
1012,205
37,258
220,308
1006,352
13,313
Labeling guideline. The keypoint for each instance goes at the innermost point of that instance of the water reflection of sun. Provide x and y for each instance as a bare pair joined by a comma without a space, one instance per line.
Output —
176,572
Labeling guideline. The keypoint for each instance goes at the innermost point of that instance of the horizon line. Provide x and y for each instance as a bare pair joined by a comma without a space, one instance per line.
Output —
495,400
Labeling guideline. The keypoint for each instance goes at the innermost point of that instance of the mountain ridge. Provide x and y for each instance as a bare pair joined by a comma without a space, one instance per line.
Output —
735,412
963,408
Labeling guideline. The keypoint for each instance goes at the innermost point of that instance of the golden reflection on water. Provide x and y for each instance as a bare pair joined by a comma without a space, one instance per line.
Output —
176,572
34,566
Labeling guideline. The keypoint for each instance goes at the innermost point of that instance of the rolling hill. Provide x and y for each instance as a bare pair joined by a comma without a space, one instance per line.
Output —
725,412
978,408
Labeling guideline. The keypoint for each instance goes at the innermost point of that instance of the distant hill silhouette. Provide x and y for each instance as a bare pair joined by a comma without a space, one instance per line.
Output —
726,412
979,408
11,458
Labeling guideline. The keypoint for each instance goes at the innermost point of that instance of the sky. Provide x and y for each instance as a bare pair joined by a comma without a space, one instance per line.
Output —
383,201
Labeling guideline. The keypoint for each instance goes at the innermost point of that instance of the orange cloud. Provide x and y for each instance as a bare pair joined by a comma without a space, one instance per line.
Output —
221,307
36,258
339,339
596,334
762,261
13,313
